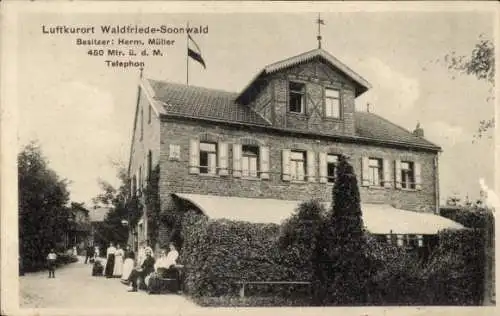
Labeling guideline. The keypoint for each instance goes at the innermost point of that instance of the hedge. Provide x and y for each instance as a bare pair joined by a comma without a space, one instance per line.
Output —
454,274
41,264
219,253
223,252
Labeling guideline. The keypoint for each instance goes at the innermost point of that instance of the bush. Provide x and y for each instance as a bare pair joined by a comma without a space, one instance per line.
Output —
219,253
472,217
298,240
453,275
455,272
222,252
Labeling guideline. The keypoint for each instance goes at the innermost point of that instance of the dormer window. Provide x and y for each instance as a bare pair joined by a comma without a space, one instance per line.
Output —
332,103
296,98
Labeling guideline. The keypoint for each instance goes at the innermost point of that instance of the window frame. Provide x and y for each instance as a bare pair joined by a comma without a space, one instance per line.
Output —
206,169
405,184
294,167
247,173
302,94
334,177
325,103
380,175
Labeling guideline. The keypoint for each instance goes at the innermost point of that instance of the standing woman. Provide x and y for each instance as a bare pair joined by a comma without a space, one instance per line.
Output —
110,262
128,264
118,269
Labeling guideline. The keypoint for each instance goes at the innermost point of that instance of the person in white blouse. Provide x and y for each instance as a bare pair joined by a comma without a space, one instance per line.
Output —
165,266
110,261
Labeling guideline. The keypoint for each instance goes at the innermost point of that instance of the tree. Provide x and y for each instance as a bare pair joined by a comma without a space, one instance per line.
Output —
481,64
342,264
117,199
43,212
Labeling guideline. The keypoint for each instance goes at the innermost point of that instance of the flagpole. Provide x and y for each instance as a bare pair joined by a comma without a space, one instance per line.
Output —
187,54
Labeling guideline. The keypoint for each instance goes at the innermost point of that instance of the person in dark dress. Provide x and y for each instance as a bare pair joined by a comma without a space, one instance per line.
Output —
147,267
110,262
89,253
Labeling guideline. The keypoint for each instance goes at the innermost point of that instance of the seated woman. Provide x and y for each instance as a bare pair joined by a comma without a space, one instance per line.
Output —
141,272
165,267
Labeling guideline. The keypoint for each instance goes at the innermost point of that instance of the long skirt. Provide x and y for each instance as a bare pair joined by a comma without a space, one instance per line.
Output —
128,266
110,265
118,268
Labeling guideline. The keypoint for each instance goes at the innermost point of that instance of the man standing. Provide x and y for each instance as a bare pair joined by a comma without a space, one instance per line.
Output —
89,253
144,270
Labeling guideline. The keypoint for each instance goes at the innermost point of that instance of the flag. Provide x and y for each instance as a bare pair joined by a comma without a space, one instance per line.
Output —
195,52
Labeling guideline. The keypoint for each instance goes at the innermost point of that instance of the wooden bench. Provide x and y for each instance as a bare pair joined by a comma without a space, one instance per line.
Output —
165,282
244,283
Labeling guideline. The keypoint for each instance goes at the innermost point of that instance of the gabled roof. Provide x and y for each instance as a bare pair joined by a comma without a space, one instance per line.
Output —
221,106
98,214
194,101
370,125
362,85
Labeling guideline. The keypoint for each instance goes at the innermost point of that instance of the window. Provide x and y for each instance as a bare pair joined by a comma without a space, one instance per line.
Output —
297,165
375,174
208,158
331,167
296,97
332,103
407,175
249,161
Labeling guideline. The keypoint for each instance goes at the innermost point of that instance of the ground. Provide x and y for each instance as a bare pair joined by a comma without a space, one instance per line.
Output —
74,287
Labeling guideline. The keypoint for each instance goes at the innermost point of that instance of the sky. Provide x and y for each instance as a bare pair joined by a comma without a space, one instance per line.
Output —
81,111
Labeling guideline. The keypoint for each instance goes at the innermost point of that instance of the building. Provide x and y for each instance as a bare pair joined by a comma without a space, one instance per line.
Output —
254,154
97,214
79,229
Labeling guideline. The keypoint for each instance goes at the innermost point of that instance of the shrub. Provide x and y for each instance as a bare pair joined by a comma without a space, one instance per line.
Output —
455,272
472,217
219,253
298,239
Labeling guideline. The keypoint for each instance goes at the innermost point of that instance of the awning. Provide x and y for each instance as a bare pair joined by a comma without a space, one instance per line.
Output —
378,218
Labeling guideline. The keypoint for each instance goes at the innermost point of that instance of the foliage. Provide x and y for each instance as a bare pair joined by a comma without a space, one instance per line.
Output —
218,253
112,229
298,239
472,216
455,273
249,301
43,211
152,197
341,264
481,64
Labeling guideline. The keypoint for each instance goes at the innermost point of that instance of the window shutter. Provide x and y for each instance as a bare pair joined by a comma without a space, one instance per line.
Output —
323,168
397,173
387,173
365,167
285,165
418,177
264,162
237,160
311,166
223,160
194,156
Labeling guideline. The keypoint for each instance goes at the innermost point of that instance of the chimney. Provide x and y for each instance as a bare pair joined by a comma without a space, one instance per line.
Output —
419,132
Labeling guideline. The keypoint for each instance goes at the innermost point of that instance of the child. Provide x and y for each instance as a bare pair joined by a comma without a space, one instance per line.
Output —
51,263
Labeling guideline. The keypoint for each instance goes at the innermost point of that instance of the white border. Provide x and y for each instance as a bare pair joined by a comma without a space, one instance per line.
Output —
9,123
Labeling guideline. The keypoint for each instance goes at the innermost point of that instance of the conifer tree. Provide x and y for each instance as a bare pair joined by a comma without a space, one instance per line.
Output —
342,265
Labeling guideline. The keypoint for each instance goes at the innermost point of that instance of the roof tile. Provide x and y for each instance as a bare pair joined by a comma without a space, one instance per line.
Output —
192,101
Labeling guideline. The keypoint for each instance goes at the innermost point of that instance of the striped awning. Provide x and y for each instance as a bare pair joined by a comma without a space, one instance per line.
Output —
378,218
